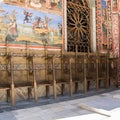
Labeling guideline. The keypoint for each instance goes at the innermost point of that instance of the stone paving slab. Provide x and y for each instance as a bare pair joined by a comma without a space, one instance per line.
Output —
69,110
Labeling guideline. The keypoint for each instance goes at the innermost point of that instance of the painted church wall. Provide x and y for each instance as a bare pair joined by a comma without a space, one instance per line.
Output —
107,26
36,22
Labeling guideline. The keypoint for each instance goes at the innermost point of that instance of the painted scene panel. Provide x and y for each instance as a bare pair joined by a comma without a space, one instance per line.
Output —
54,6
20,24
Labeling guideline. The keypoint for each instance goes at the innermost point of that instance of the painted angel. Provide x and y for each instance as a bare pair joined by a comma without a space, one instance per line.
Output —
27,17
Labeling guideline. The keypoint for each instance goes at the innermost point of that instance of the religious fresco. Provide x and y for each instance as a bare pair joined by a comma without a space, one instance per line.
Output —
104,25
114,5
115,29
54,6
101,25
119,5
107,27
98,25
24,20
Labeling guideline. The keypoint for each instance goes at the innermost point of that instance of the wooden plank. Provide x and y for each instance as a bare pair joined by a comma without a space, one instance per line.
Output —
93,109
54,89
13,94
8,95
35,84
70,84
35,91
29,93
54,80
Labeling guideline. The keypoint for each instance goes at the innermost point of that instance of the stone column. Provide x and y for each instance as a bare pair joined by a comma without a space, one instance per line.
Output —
92,25
65,24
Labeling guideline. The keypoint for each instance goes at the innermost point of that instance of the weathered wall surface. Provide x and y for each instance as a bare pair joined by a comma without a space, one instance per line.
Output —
34,26
37,23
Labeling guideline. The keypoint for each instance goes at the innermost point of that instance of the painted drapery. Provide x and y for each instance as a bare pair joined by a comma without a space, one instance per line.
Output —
36,22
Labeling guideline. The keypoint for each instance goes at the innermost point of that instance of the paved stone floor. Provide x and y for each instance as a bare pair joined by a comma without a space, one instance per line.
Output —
67,109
